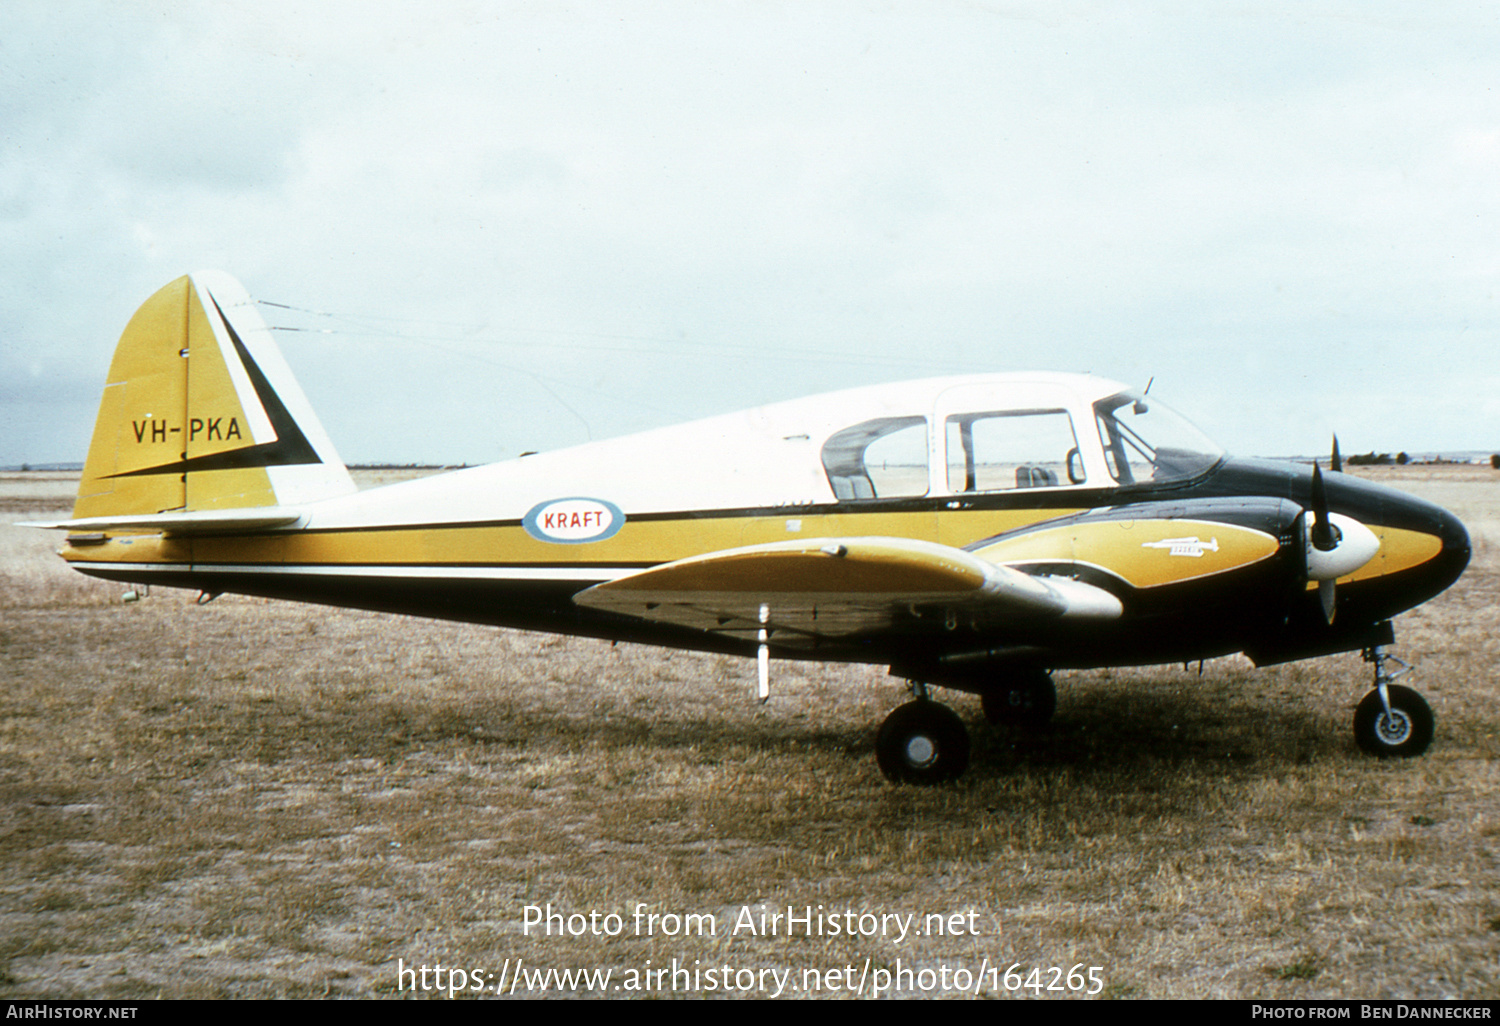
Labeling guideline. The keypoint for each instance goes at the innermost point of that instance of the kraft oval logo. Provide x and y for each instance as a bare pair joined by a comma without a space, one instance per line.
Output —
573,521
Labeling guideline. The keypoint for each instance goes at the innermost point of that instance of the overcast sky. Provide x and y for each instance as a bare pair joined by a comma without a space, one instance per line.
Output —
523,225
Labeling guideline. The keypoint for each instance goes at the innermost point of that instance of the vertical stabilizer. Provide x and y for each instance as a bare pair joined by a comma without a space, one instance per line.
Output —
200,411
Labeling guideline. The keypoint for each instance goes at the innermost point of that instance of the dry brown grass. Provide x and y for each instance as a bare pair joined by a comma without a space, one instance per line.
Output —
30,564
255,799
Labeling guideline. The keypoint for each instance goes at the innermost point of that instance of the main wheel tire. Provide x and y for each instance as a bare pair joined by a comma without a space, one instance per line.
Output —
922,742
1406,732
1026,699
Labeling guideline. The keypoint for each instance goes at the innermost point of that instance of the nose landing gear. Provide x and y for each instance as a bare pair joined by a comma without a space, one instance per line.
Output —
1392,720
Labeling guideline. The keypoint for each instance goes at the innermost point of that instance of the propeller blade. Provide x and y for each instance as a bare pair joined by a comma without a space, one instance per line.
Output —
1337,545
1336,462
1322,533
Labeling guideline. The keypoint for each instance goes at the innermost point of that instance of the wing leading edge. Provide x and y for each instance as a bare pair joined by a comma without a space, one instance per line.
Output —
837,587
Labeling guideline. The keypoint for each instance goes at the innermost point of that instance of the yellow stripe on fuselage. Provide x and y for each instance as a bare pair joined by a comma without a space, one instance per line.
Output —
1144,553
639,542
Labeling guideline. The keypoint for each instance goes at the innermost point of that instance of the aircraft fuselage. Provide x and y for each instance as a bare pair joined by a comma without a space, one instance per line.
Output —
1181,602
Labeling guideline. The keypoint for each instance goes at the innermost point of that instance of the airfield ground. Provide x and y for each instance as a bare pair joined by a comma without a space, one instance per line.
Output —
251,798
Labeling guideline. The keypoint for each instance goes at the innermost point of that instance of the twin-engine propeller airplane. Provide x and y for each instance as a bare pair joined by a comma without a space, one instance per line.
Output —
969,532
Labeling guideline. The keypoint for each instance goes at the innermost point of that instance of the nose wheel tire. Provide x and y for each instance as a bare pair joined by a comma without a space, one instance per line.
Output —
1405,732
922,742
1025,699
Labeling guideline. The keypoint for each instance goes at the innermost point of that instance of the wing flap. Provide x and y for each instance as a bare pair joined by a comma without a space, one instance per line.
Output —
836,587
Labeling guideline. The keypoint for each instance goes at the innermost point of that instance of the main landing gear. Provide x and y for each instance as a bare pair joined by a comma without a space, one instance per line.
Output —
1392,720
1024,698
924,742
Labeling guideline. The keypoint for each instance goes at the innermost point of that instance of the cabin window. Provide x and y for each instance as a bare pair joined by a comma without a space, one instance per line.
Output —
878,459
990,452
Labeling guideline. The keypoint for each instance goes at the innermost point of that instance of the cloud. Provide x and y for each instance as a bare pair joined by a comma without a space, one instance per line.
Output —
752,202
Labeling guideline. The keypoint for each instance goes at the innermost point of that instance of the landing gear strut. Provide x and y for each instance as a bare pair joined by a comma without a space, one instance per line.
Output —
1392,720
922,742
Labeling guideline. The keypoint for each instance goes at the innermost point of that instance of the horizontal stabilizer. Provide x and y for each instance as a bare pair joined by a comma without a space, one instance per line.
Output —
213,521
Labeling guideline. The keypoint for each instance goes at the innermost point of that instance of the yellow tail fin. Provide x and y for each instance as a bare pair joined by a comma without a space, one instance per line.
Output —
200,411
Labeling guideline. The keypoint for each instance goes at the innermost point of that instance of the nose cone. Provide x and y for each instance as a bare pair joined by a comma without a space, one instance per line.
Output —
1423,548
1455,553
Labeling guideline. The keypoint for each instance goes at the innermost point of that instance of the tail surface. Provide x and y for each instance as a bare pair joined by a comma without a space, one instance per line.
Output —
201,412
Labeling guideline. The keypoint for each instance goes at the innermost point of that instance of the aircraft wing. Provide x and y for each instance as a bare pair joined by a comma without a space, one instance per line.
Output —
835,587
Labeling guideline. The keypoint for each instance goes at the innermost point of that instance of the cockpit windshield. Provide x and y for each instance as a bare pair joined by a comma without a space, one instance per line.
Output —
1146,441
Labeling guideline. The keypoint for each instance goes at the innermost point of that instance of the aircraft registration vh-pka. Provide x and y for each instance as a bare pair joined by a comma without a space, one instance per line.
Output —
974,533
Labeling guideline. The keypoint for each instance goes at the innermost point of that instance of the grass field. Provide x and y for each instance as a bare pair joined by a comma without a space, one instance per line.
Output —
250,799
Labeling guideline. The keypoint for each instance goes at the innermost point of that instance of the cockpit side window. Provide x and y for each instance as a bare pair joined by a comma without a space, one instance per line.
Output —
878,459
996,451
